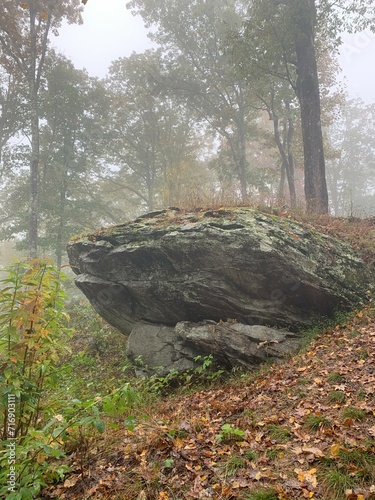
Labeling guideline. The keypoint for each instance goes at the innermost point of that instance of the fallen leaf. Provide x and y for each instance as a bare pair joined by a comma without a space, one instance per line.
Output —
335,449
348,422
309,476
315,451
68,483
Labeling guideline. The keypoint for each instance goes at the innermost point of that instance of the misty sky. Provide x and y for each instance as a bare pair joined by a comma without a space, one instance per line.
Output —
110,31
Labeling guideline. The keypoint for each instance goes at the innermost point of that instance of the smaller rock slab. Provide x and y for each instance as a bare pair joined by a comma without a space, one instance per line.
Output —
161,349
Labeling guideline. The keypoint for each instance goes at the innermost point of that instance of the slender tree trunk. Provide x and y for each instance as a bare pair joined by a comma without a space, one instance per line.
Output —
333,182
34,161
308,95
242,161
289,171
280,194
150,182
289,167
60,244
60,230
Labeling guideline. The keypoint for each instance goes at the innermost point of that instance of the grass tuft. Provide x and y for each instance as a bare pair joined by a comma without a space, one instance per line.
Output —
316,422
354,413
233,464
337,397
263,494
336,482
279,433
335,378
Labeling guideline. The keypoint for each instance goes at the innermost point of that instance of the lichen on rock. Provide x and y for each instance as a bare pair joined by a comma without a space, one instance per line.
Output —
173,266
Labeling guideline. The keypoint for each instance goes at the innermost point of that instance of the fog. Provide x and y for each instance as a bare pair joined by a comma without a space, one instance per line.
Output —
127,126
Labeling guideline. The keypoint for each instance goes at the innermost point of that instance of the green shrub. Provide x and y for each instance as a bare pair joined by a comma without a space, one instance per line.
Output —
33,335
36,428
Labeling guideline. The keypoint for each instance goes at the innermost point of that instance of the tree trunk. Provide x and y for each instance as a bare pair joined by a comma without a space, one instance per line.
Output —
289,124
308,95
241,151
34,160
288,169
60,230
280,193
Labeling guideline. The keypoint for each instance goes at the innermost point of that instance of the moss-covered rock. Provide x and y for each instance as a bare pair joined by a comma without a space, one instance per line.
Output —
237,263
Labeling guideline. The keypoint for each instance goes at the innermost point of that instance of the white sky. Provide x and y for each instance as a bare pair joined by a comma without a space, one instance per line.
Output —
357,60
110,31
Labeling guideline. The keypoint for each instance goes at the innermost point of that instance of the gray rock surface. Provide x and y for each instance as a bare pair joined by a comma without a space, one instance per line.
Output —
161,349
241,264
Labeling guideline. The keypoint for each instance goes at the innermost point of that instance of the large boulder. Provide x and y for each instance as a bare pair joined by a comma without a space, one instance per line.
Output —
173,266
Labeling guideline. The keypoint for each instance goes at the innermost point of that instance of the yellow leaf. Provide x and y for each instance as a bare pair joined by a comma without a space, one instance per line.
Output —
307,476
179,444
225,490
301,476
360,314
335,449
24,5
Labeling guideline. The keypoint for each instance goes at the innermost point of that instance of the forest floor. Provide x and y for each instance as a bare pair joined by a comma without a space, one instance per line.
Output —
304,428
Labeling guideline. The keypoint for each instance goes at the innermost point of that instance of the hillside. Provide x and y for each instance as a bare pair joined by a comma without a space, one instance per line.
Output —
301,429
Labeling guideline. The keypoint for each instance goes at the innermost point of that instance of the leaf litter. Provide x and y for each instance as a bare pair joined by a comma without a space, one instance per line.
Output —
283,433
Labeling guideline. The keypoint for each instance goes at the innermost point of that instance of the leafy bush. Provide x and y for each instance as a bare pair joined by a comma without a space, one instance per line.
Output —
33,334
37,429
